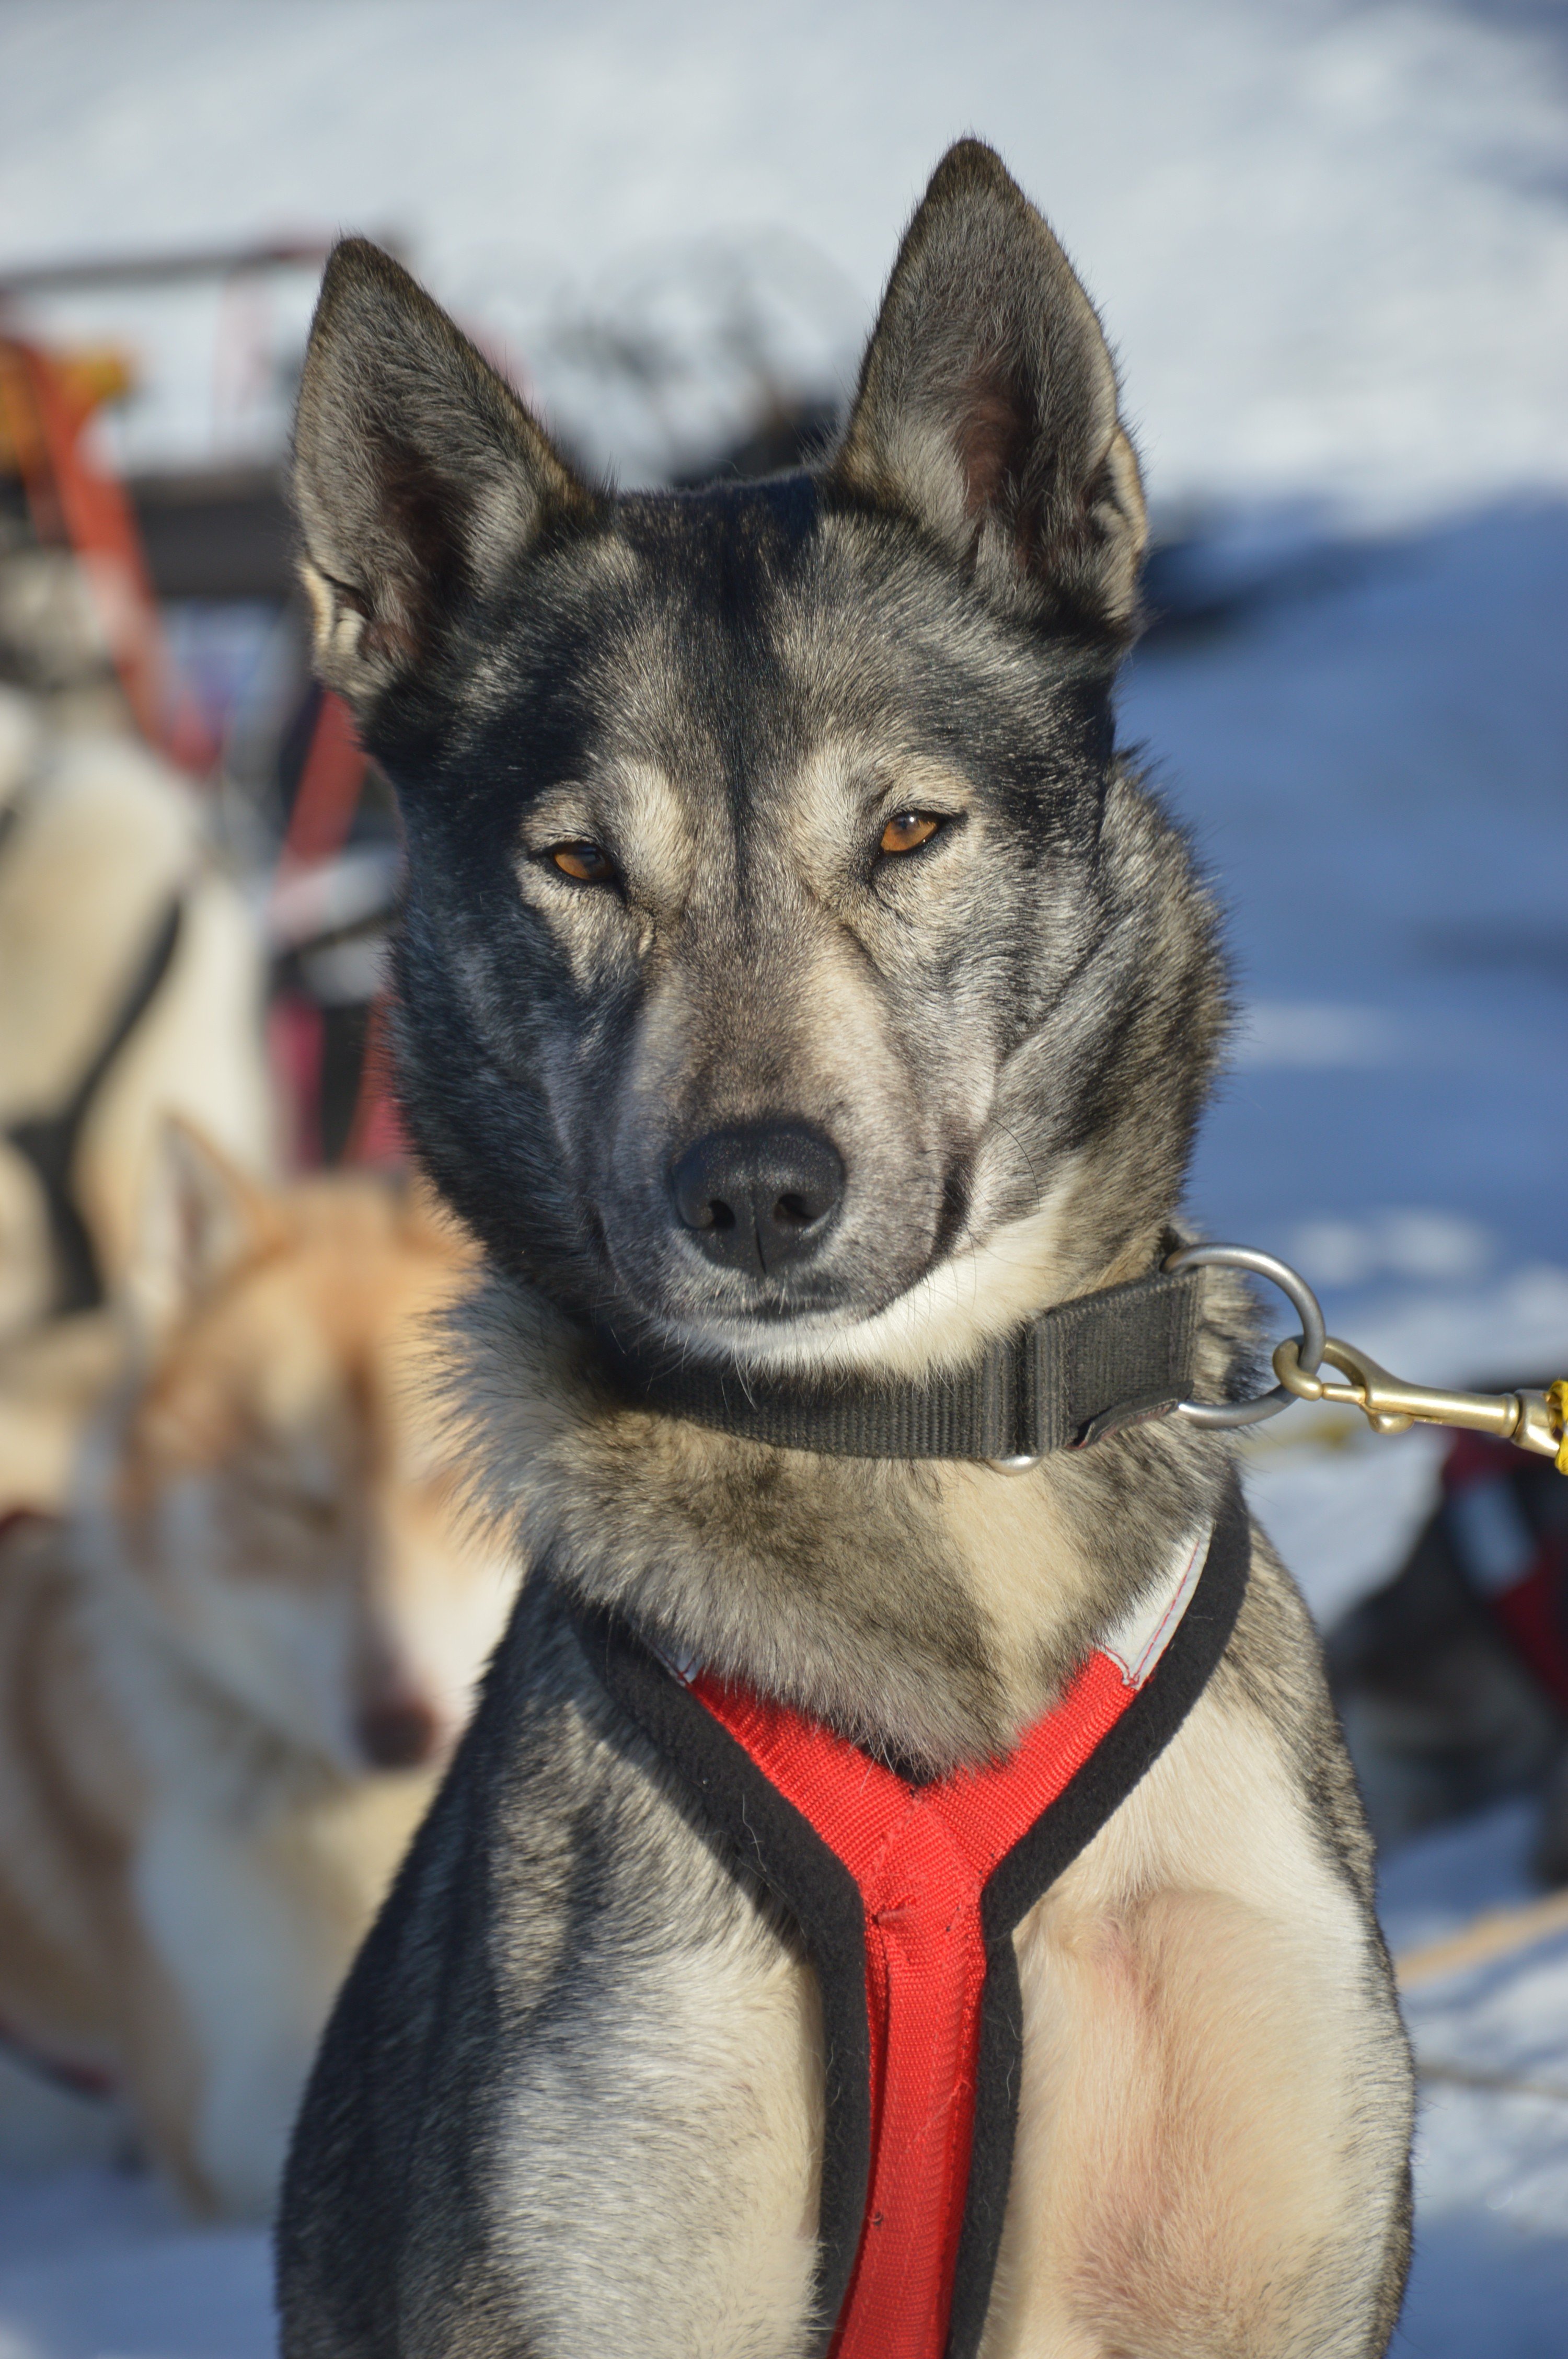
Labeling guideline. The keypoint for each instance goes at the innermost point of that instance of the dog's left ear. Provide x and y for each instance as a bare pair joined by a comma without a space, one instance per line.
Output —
418,474
986,406
202,1218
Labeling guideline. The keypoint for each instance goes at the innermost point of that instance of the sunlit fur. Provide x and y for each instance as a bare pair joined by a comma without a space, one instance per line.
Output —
572,2098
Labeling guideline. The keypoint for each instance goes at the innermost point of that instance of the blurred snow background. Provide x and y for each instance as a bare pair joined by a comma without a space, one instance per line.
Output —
1329,240
1331,244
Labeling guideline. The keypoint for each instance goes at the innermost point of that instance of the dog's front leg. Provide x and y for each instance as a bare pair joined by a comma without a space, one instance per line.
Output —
1215,2095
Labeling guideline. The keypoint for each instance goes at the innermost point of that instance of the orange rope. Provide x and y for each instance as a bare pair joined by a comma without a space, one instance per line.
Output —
71,498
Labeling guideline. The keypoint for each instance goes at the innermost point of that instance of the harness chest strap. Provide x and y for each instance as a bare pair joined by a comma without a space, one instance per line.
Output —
907,1897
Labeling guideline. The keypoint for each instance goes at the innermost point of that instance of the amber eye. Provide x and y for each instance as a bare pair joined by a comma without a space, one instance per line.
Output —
588,862
907,829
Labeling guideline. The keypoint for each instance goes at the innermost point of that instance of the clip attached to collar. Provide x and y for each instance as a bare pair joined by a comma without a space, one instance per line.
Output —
1530,1420
1085,1369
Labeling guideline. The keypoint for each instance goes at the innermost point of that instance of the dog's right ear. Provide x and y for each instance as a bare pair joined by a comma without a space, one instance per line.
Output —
418,474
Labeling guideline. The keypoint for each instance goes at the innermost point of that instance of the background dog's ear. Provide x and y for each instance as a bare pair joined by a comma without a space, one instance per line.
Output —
987,405
426,1221
417,472
202,1218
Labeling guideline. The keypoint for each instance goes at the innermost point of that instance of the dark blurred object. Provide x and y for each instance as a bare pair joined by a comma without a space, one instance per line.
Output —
788,434
161,269
225,534
1452,1680
1198,585
50,1143
332,895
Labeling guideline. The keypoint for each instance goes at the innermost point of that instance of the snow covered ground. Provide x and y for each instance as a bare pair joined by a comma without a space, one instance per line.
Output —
1332,243
1372,756
1491,2273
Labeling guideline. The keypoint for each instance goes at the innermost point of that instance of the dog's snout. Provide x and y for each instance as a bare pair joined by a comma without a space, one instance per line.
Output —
399,1731
758,1197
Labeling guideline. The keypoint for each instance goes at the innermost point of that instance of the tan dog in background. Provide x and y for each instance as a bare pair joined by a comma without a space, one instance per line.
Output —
227,1677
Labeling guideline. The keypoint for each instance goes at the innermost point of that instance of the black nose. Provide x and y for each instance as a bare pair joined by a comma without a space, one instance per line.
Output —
757,1198
399,1731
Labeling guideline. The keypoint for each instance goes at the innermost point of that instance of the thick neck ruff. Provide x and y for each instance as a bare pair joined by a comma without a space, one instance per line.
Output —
907,1897
1075,1372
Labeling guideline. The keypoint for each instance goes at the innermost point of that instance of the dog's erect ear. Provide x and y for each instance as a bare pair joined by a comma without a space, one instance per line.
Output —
417,472
987,405
202,1218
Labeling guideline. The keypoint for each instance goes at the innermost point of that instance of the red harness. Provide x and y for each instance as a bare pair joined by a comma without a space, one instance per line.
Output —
940,1874
921,1856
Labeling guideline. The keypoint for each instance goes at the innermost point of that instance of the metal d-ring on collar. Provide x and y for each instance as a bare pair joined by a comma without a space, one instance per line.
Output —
1531,1420
1309,1345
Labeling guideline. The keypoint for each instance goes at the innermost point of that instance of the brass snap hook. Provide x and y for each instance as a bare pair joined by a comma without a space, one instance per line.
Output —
1530,1420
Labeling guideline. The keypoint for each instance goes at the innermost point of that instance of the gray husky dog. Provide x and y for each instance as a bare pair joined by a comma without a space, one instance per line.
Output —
793,980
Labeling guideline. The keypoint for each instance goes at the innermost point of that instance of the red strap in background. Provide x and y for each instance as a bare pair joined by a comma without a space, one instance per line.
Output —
921,1856
1519,1572
329,791
331,781
296,1050
376,1134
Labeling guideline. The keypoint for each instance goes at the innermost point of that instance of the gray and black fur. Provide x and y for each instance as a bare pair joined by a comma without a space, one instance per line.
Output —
933,1089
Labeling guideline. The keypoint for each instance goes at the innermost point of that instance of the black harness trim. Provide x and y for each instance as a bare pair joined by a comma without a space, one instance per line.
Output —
1078,1372
50,1141
773,1840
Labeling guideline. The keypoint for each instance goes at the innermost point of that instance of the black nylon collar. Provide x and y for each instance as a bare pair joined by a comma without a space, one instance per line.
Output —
1079,1371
